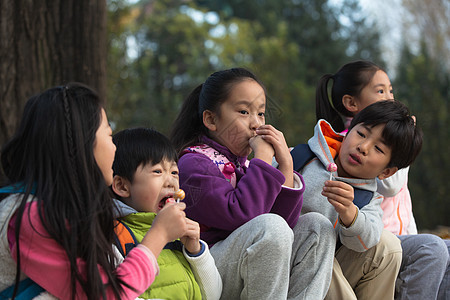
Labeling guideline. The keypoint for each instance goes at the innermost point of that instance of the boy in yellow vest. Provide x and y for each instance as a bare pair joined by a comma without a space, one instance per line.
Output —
145,179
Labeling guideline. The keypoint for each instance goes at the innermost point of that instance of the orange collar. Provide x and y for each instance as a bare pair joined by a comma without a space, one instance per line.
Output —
334,140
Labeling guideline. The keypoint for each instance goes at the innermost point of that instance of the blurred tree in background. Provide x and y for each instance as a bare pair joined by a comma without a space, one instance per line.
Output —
422,82
423,85
159,51
177,44
44,44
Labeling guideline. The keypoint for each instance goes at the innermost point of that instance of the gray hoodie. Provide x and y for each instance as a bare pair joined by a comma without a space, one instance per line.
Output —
366,230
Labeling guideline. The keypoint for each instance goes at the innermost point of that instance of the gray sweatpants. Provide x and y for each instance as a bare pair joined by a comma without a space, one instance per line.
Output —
266,259
444,290
424,262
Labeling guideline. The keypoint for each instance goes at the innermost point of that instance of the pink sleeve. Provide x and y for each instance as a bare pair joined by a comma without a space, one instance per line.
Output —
46,263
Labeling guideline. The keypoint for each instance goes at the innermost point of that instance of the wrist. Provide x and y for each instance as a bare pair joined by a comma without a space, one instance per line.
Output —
194,250
348,221
197,253
155,240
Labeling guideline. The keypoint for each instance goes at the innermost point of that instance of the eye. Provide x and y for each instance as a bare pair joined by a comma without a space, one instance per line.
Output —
175,173
261,114
360,133
243,112
380,91
379,149
157,171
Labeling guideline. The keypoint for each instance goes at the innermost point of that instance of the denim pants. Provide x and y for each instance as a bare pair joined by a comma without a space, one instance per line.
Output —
424,262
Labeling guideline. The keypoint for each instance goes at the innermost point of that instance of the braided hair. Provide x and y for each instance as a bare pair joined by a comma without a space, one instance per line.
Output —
52,155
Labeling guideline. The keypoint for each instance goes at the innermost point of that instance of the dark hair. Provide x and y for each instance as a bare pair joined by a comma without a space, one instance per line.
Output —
400,133
52,153
188,127
350,79
140,146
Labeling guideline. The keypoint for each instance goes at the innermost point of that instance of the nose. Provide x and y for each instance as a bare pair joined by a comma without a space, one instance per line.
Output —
170,181
255,122
362,148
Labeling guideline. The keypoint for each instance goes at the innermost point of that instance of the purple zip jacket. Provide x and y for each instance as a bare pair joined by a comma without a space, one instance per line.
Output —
219,208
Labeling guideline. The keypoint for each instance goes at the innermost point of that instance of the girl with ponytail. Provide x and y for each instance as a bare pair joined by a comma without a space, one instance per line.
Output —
248,210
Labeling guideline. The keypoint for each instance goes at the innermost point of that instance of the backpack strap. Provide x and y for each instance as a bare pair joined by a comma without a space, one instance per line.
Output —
28,289
302,154
124,238
361,197
16,188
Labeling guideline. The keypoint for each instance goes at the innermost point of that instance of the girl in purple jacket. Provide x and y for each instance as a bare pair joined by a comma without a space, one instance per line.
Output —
248,210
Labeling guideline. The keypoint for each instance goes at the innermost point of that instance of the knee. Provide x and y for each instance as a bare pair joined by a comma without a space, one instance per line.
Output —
433,246
390,242
389,248
274,230
317,223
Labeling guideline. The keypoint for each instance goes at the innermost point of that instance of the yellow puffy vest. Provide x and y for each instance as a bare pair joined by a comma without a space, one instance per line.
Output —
175,279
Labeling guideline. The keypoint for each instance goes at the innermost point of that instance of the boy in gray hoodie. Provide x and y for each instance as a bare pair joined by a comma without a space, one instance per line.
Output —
382,139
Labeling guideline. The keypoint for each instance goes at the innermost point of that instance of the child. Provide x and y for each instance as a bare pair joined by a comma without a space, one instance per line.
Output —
57,221
382,138
145,178
248,210
356,85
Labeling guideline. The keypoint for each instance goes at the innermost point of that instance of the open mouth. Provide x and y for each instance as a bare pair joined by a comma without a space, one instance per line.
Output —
162,202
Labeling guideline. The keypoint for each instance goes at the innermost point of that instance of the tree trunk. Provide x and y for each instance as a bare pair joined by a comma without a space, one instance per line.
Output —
48,43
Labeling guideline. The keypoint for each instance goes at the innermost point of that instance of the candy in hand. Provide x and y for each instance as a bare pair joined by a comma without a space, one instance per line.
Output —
179,195
332,168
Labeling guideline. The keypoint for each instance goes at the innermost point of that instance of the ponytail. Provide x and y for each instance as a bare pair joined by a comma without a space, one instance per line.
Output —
350,79
325,108
188,126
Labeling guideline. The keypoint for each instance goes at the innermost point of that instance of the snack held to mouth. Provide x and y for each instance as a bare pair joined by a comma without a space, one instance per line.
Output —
332,168
179,195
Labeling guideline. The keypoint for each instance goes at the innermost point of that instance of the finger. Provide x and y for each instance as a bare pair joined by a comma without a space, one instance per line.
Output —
337,198
266,127
181,205
338,191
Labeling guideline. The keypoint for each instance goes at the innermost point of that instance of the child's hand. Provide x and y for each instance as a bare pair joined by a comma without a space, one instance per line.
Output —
172,219
191,240
282,154
340,195
170,223
262,149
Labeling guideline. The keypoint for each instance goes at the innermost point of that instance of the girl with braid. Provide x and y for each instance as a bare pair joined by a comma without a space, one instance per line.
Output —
56,213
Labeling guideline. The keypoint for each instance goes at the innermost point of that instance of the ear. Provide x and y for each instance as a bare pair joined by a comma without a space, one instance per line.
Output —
121,186
209,120
388,172
350,104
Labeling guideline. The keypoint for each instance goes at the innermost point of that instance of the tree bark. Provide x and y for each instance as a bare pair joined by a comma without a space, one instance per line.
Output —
45,43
